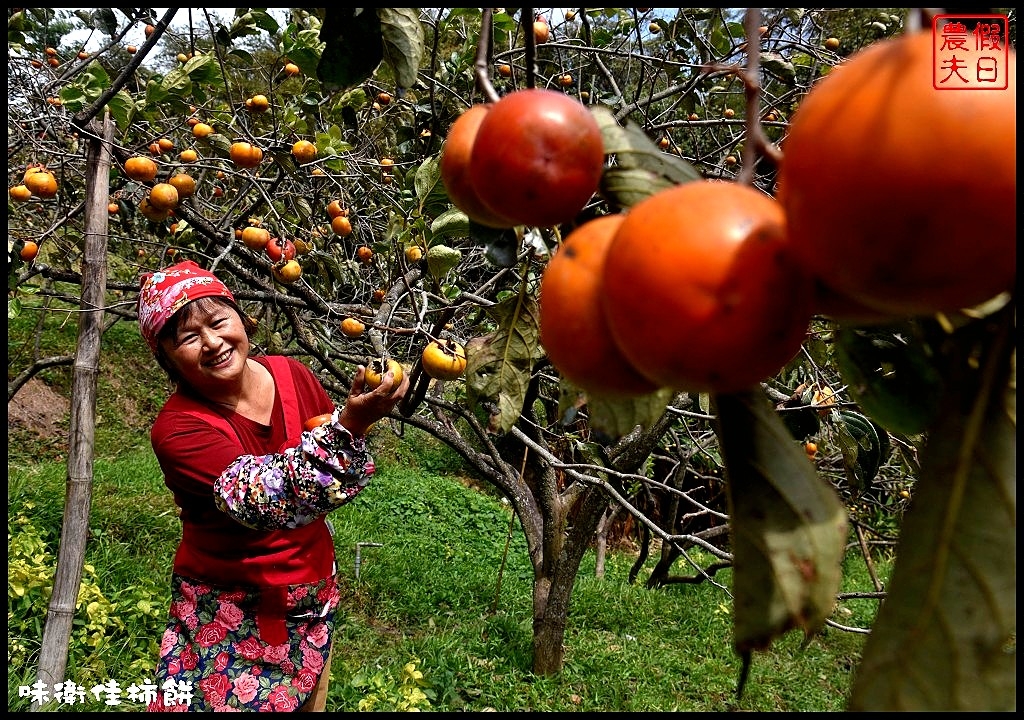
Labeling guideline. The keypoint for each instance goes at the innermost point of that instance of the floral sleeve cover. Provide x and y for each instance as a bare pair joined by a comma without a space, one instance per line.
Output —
293,488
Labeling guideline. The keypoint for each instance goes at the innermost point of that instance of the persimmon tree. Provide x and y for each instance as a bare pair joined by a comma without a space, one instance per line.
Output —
922,406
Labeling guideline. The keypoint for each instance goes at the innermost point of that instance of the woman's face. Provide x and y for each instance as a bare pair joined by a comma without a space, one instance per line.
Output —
210,348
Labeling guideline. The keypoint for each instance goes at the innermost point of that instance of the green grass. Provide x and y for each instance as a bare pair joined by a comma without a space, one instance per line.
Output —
429,595
447,590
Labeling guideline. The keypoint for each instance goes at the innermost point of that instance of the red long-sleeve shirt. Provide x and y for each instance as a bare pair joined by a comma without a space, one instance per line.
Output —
193,455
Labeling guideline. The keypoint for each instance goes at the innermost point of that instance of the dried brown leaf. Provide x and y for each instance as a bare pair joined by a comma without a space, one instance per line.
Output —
788,526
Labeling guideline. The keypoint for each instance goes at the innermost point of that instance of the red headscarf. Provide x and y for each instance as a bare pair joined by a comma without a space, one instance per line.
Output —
166,291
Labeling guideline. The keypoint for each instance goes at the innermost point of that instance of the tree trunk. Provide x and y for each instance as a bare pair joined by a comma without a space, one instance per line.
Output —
60,615
552,591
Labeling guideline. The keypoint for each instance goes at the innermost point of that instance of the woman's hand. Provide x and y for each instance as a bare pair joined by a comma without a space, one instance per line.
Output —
364,406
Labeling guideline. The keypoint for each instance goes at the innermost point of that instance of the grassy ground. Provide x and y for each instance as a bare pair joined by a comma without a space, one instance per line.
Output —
438,616
435,593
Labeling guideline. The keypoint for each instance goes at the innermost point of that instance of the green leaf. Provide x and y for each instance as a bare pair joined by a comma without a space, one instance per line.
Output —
499,366
263,20
451,223
779,66
303,208
890,372
625,187
243,24
177,82
353,47
402,35
798,416
640,168
721,41
861,445
615,417
219,143
430,192
243,56
704,403
308,59
15,25
341,274
945,638
787,525
501,245
155,94
205,70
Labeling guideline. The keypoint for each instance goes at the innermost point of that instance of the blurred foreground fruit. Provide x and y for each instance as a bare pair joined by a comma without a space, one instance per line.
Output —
537,158
573,328
701,290
455,158
874,209
844,310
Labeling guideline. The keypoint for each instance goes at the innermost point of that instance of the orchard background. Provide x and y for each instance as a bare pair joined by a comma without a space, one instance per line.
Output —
904,429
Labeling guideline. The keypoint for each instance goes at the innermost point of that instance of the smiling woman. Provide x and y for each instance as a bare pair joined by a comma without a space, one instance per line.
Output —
253,591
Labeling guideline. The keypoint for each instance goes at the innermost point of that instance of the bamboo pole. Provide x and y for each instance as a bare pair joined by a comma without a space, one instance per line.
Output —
60,615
